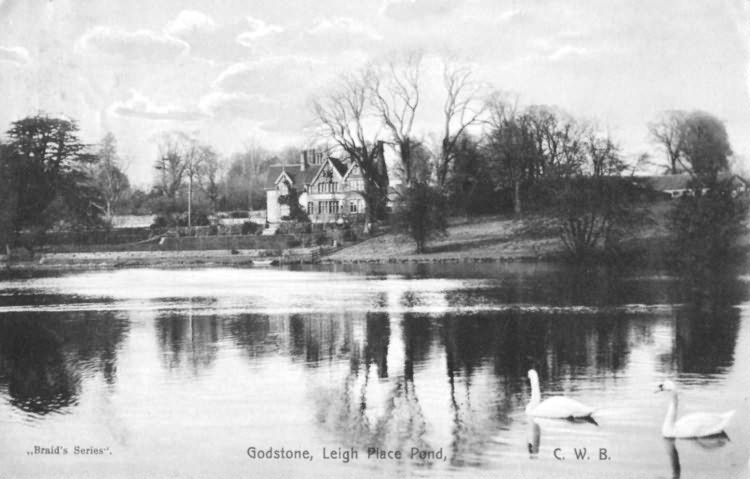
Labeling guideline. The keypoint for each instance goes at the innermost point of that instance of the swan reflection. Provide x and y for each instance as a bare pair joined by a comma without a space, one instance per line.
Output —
534,438
707,443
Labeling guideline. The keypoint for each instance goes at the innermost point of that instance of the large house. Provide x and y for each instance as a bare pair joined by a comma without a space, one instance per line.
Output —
328,189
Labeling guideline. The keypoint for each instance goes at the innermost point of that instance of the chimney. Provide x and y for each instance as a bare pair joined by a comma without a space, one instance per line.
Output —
303,160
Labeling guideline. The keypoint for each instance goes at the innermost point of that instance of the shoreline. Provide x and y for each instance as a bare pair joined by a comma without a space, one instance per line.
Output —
105,261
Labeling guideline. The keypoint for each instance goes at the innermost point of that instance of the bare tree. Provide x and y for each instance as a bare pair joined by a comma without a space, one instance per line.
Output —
603,154
509,144
170,164
343,116
210,169
108,174
668,132
462,108
179,161
395,97
559,142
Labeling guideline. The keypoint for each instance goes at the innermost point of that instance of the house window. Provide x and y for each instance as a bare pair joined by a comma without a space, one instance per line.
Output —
320,207
353,207
310,208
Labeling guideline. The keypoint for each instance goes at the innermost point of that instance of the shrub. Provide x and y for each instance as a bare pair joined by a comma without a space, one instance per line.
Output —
250,228
160,222
321,239
350,235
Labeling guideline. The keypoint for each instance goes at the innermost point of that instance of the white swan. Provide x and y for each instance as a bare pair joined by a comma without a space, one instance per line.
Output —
557,407
699,424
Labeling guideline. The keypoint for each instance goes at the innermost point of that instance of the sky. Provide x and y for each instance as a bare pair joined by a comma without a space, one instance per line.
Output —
240,72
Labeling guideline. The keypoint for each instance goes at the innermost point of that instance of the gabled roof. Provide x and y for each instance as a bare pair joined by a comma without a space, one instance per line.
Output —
299,178
293,171
337,164
352,167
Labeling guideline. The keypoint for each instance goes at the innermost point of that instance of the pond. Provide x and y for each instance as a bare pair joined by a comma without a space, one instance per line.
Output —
199,373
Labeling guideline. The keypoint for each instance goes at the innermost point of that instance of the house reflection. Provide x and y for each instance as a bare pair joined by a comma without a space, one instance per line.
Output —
44,357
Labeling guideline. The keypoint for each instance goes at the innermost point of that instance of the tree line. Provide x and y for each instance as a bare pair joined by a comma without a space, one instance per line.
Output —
491,154
488,154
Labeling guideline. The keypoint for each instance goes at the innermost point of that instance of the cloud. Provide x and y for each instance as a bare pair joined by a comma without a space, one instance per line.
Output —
18,55
335,34
232,105
343,25
139,106
270,75
258,29
284,115
136,45
407,10
190,21
568,51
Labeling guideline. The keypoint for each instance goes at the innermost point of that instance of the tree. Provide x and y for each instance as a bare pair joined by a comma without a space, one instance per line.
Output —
108,175
209,172
704,145
343,115
667,132
170,165
47,166
471,188
707,225
395,95
183,164
8,198
421,213
246,175
559,142
696,142
596,209
462,108
511,145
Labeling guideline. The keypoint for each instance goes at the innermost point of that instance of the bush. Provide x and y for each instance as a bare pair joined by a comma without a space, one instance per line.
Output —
321,239
421,213
250,228
293,243
350,235
160,222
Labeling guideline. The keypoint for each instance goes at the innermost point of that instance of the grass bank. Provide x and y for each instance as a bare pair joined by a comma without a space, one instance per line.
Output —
493,238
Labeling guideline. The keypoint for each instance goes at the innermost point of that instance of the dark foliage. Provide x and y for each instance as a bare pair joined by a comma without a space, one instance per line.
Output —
421,213
296,213
595,214
44,164
707,224
250,228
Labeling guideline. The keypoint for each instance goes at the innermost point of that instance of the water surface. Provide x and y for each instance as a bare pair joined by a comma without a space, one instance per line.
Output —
178,372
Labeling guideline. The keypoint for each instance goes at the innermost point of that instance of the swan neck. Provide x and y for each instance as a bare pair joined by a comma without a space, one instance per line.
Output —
669,420
536,395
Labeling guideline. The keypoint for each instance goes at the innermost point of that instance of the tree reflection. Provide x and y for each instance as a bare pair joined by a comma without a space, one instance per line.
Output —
189,340
317,337
393,419
44,357
706,327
